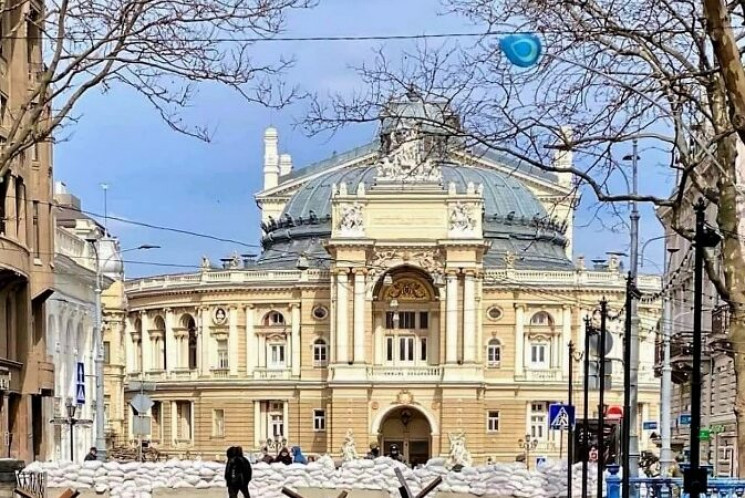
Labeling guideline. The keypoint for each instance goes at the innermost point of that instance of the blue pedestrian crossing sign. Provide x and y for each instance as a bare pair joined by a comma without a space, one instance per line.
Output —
80,384
560,416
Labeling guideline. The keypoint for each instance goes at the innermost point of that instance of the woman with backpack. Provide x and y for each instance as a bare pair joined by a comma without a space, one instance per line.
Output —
237,472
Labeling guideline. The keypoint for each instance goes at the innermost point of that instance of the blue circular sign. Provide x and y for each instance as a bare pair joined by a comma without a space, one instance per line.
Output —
522,50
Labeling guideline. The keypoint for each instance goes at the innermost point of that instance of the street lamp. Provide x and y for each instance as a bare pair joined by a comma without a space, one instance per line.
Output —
71,409
98,340
527,444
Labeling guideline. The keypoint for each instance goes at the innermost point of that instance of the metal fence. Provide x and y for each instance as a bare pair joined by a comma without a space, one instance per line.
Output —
33,483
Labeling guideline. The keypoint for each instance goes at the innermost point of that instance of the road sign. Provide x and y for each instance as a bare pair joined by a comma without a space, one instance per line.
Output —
80,394
141,402
561,416
80,384
704,434
650,425
540,460
141,425
684,419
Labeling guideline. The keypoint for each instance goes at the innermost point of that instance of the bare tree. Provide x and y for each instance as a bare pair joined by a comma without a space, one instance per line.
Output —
666,71
160,48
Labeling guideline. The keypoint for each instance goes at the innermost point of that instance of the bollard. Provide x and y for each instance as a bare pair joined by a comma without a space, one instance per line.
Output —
613,482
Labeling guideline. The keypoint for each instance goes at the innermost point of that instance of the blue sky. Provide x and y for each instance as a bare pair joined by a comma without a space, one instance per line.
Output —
159,177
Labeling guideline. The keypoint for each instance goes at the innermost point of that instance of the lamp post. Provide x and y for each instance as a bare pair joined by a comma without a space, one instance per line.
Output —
98,340
71,409
527,444
666,384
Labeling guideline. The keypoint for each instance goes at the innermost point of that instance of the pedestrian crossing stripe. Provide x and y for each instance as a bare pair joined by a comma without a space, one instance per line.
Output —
561,420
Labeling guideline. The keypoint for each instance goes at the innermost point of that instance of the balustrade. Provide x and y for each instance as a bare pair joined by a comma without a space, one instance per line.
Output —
399,373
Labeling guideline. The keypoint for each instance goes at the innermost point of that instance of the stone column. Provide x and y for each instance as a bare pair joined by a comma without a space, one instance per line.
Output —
469,318
204,342
295,339
566,337
257,423
286,419
359,316
262,351
451,319
379,356
172,352
342,318
233,341
129,349
519,340
147,353
252,344
10,207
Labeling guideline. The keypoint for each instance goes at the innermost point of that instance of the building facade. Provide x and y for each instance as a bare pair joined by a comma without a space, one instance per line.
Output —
718,380
408,290
70,327
26,254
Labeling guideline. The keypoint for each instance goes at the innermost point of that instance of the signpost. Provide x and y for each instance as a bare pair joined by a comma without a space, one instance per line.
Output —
560,417
80,384
141,402
684,419
650,425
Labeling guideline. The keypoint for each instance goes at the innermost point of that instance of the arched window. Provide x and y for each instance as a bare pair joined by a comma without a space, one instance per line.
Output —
190,325
494,353
320,353
137,360
542,319
274,318
160,344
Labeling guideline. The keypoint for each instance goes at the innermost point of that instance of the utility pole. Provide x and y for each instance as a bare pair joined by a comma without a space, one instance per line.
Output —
666,387
695,478
632,294
601,396
570,429
586,406
633,355
98,350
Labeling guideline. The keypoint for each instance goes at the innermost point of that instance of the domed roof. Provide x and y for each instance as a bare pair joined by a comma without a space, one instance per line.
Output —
503,194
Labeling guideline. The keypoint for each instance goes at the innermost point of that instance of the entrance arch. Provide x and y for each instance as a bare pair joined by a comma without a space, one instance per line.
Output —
409,428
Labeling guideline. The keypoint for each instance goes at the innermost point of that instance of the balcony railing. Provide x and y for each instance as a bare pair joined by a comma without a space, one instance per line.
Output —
272,374
403,373
183,374
220,373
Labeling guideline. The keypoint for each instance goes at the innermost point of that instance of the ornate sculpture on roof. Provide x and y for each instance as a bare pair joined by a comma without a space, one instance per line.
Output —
205,263
462,218
351,222
459,456
235,261
349,448
406,159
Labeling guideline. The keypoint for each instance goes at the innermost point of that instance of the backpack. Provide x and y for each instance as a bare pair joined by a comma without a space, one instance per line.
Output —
234,474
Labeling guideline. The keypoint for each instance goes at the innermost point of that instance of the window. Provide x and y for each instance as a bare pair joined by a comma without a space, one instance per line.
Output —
423,349
191,326
183,420
137,360
538,420
319,420
542,318
37,230
107,352
35,151
400,320
320,312
320,353
406,349
389,348
276,356
218,423
494,353
274,318
222,354
277,426
3,108
494,313
156,413
492,421
423,320
539,354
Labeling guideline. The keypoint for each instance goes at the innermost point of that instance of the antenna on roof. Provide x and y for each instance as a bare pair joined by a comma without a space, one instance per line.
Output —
105,188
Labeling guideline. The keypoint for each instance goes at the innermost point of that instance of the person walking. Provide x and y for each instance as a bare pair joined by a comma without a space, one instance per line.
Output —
237,473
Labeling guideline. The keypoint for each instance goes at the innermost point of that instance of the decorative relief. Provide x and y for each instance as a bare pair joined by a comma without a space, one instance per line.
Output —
407,160
351,220
404,398
407,289
459,456
510,259
220,316
462,218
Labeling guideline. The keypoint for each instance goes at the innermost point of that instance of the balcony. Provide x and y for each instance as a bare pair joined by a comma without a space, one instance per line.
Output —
548,375
220,373
272,373
404,374
183,374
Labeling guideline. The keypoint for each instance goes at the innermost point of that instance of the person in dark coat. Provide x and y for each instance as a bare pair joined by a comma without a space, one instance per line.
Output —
395,454
266,457
92,455
284,457
238,473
